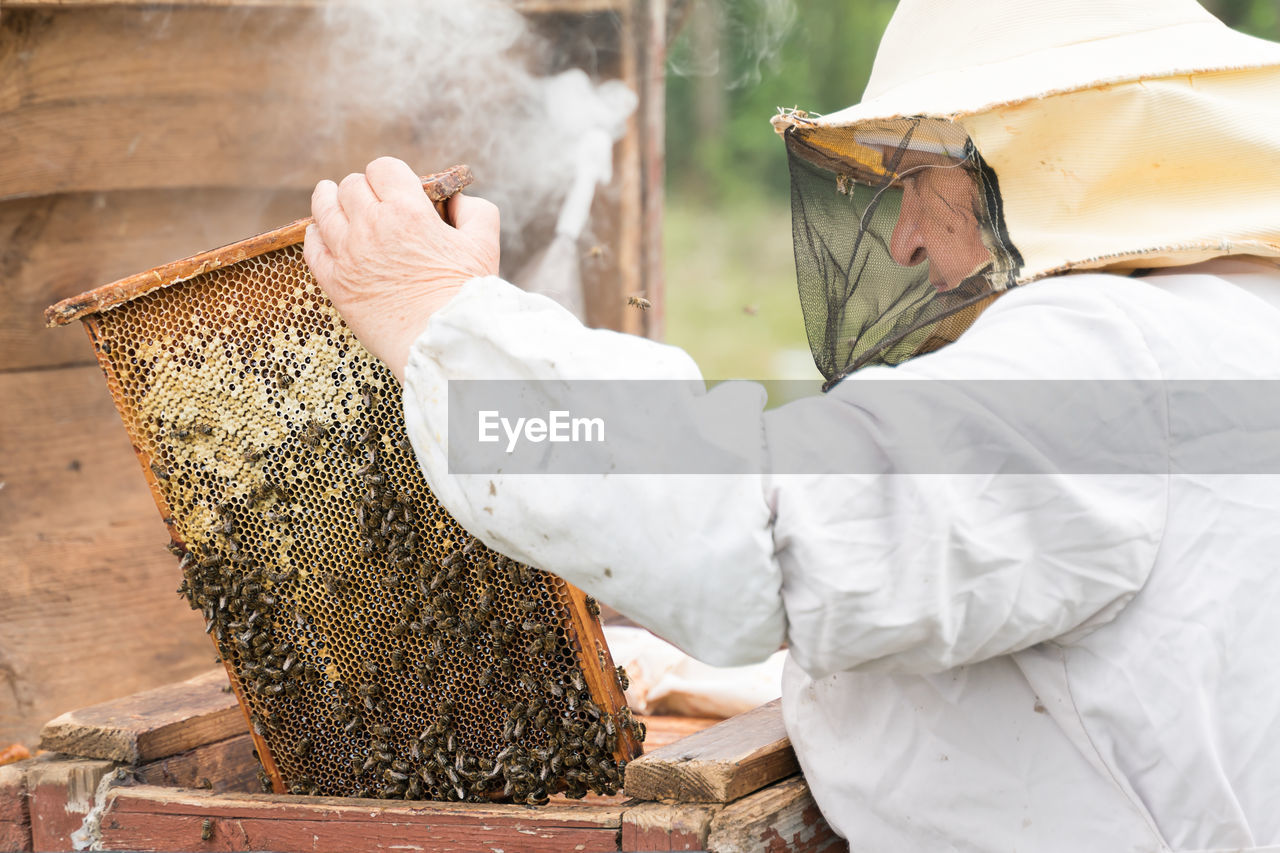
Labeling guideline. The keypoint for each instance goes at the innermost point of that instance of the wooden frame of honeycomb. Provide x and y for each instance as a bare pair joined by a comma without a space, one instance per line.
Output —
376,648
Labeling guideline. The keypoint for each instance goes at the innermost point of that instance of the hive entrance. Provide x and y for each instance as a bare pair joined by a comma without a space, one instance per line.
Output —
377,649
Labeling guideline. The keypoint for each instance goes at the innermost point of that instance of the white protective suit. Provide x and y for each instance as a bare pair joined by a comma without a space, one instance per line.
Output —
1040,662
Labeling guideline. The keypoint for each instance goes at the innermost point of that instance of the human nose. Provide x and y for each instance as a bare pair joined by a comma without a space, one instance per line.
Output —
906,245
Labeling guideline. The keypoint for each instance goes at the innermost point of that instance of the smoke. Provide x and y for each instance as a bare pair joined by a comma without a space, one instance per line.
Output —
732,39
438,82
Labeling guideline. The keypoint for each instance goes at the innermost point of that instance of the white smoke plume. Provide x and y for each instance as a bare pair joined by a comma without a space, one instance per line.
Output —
748,36
466,82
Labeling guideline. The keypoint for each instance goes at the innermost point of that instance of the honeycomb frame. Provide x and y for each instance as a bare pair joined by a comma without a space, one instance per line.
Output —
376,648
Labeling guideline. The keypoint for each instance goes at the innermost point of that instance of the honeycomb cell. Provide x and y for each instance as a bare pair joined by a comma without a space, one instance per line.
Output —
380,650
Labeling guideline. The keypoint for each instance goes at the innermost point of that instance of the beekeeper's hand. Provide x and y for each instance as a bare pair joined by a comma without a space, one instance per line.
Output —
386,258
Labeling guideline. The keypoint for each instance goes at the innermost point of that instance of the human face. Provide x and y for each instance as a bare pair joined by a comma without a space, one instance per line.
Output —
939,220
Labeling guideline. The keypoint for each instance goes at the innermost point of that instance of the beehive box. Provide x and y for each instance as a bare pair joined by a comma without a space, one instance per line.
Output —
168,770
378,650
139,132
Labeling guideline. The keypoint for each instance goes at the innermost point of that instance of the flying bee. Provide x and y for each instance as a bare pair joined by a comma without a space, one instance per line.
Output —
639,302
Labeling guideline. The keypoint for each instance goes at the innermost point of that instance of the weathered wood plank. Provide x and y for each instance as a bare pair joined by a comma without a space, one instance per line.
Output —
719,764
782,818
149,725
228,765
663,730
89,611
213,97
62,792
15,815
148,818
658,826
53,247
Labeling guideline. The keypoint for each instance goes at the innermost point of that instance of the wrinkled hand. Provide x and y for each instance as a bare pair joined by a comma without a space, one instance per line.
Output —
388,261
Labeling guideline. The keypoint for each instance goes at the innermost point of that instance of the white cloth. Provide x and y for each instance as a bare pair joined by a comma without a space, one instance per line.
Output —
975,663
665,680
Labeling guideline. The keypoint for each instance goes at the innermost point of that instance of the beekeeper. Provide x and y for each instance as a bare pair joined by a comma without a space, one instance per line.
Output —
998,651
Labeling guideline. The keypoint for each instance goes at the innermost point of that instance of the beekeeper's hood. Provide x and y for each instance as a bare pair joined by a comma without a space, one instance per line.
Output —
1003,141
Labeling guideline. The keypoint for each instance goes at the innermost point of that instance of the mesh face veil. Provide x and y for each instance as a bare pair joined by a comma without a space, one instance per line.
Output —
899,240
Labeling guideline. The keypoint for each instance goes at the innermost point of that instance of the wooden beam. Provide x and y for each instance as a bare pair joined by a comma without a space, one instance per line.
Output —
89,611
149,818
15,814
150,725
662,730
228,765
53,247
658,826
782,818
719,764
62,791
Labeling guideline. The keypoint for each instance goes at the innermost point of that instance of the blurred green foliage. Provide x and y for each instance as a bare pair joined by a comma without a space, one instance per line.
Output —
731,298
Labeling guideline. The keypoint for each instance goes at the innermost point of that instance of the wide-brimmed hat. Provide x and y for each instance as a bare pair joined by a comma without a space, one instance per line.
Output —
1124,133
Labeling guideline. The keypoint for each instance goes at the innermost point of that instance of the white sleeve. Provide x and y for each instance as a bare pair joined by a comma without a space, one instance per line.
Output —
882,570
689,557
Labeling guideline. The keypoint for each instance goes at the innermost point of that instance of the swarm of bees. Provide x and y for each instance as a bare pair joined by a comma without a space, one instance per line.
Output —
380,650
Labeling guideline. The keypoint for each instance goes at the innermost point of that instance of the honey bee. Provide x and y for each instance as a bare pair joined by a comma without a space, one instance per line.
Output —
624,680
639,302
206,830
283,379
593,607
160,471
575,678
